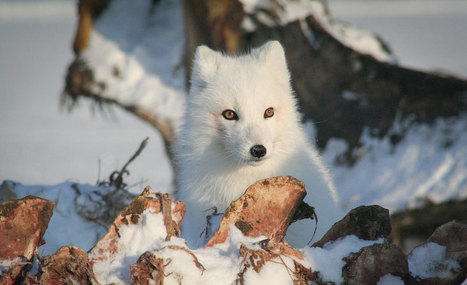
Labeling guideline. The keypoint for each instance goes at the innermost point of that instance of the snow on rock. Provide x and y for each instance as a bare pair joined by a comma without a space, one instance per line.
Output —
135,61
142,247
328,260
287,11
140,227
364,222
428,261
452,235
390,279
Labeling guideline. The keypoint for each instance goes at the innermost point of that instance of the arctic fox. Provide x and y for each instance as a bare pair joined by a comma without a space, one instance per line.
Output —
242,125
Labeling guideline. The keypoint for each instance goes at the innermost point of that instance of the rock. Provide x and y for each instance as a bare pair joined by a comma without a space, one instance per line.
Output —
365,222
453,236
23,223
107,247
69,265
266,208
154,267
373,262
256,259
142,272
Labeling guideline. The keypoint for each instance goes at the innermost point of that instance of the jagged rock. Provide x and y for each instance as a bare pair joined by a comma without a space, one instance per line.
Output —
22,225
107,247
267,208
69,265
373,262
365,222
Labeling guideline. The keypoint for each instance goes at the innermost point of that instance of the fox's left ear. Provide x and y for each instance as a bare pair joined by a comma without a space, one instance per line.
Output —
272,55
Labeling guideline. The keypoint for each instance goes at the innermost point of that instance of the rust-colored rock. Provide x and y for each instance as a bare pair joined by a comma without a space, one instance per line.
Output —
266,208
142,271
373,262
153,267
69,265
158,202
365,222
23,222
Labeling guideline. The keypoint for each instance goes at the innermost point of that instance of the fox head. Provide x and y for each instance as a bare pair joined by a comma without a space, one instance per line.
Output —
242,107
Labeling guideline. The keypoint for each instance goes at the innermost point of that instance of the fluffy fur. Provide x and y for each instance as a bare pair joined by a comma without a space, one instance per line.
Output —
215,163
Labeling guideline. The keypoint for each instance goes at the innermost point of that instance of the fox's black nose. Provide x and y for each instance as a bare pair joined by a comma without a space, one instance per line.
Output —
258,151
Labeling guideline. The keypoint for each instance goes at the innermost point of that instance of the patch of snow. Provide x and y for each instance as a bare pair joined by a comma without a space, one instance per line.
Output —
429,260
390,279
429,163
328,260
133,241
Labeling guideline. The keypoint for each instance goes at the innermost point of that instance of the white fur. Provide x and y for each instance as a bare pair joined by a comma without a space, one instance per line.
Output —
213,154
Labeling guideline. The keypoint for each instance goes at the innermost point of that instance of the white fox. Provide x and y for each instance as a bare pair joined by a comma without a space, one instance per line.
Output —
242,125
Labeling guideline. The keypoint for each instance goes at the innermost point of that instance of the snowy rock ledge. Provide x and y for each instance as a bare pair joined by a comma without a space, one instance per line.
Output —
143,246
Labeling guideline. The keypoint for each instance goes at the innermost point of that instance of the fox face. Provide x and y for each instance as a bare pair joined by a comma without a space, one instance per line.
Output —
243,103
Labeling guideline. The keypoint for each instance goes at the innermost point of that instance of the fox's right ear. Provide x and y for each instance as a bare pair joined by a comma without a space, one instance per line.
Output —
205,64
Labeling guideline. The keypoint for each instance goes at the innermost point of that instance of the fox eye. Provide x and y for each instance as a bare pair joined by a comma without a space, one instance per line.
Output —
230,115
269,112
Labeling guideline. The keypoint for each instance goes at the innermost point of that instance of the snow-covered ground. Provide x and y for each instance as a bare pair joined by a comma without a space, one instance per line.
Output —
40,145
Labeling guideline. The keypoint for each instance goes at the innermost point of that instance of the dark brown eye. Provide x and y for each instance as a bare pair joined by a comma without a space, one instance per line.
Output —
269,112
230,115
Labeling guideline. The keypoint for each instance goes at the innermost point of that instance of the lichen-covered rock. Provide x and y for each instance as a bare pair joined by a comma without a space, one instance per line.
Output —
365,222
267,208
373,262
69,265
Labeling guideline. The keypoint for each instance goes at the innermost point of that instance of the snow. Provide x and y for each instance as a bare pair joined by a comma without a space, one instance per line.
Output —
39,144
328,260
390,279
363,41
133,241
137,59
420,167
429,260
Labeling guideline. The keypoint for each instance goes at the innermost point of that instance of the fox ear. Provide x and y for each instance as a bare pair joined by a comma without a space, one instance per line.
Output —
205,64
272,55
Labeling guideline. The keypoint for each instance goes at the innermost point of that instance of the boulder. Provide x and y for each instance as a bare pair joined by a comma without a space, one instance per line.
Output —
373,262
365,222
267,208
